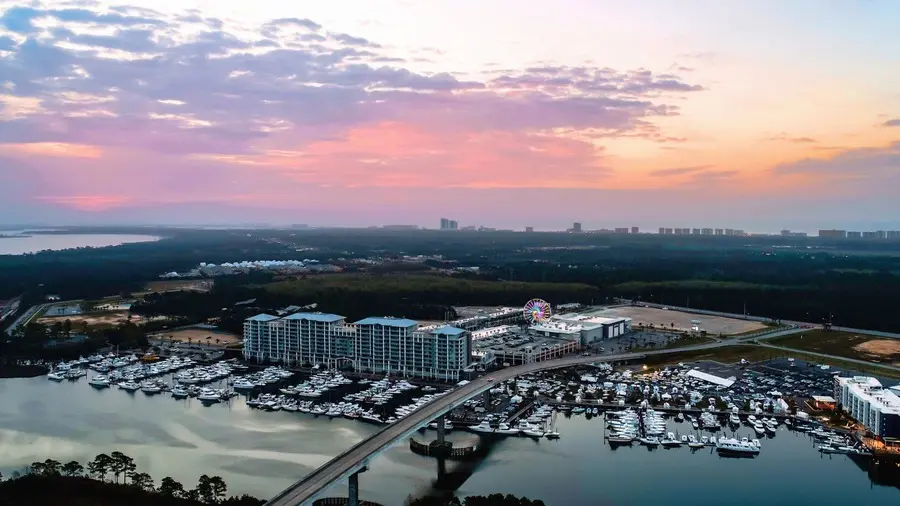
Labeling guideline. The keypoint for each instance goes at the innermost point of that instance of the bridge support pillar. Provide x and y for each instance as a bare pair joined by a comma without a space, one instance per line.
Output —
486,399
353,489
441,430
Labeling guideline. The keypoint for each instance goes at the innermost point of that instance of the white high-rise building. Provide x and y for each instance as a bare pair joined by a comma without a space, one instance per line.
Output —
378,345
877,408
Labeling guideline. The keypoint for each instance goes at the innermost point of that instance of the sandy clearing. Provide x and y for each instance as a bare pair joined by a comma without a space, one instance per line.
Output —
880,347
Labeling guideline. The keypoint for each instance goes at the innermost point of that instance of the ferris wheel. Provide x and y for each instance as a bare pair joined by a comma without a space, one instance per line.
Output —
536,311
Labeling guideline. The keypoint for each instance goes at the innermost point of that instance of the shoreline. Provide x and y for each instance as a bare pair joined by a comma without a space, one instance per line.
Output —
22,371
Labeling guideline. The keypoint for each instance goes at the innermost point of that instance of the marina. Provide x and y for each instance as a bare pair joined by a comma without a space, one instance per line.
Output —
674,407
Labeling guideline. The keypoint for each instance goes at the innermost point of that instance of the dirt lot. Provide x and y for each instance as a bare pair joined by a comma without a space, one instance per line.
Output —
844,344
665,318
884,348
114,318
196,285
198,336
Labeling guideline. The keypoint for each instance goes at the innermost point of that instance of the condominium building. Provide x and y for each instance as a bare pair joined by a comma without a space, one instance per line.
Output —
379,345
877,408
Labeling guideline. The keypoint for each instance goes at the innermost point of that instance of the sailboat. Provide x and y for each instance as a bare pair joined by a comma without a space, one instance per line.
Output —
551,431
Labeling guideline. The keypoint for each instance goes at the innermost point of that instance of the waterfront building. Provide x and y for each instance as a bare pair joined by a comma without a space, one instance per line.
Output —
378,345
875,407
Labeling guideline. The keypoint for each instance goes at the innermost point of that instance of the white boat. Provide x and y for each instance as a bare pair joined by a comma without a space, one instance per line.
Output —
99,381
150,388
129,386
649,441
620,440
670,441
552,434
179,393
726,446
56,376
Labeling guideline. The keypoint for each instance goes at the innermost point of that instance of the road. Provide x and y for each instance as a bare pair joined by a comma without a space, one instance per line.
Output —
25,317
310,487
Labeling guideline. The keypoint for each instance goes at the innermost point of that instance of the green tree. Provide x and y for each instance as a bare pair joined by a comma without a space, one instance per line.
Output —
67,328
204,489
170,488
100,466
121,465
52,467
72,468
218,488
142,481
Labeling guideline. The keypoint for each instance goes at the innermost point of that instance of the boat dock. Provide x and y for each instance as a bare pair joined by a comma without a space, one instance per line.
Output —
616,407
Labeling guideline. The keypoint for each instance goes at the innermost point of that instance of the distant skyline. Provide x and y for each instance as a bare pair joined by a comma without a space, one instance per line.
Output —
759,115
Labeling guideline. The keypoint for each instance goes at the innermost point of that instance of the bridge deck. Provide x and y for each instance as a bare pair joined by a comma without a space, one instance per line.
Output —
341,467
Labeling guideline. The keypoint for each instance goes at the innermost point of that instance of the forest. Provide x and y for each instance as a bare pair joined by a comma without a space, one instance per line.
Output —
110,480
853,283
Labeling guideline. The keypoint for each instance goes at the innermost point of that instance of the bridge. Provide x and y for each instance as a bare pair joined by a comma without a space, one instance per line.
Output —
352,462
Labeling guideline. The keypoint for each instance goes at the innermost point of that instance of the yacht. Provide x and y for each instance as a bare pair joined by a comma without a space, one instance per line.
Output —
483,427
99,381
669,441
694,443
649,441
56,376
726,446
180,392
734,420
150,388
620,440
679,417
552,434
129,386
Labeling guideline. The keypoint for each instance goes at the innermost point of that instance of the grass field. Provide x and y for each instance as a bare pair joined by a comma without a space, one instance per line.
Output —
394,284
733,354
844,344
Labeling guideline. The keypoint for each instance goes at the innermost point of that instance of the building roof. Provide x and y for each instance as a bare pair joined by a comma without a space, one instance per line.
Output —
716,380
869,389
388,321
263,318
824,398
449,331
316,317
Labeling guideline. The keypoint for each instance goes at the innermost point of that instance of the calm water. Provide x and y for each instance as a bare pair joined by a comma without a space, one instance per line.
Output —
42,242
260,453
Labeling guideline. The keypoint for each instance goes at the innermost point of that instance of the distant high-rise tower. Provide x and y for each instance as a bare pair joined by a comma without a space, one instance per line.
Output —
576,227
445,223
529,229
635,230
453,225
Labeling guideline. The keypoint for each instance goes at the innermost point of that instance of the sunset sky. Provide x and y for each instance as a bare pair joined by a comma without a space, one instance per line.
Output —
753,114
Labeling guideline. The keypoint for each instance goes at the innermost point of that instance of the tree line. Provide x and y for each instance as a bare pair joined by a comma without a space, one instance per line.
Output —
119,470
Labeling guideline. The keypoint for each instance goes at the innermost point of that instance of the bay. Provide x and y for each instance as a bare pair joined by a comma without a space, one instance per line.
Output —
55,242
260,453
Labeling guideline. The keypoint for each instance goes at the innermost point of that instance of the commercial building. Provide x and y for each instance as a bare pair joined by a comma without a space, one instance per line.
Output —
379,345
635,230
584,329
509,344
877,408
833,234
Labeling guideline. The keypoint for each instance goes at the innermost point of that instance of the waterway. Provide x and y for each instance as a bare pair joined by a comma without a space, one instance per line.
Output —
41,242
261,453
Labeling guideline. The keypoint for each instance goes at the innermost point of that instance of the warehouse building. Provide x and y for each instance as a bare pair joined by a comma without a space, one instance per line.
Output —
378,344
585,329
877,408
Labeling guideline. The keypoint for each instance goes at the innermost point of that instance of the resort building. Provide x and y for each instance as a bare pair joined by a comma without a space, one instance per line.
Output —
877,408
378,345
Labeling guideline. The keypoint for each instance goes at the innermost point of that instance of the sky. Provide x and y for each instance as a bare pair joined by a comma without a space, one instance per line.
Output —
755,114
